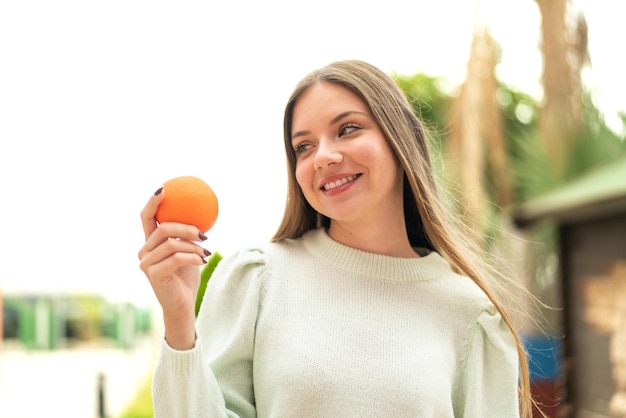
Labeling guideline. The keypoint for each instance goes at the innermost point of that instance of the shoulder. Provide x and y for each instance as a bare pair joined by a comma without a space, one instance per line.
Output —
463,294
468,306
254,259
238,276
483,328
245,263
275,253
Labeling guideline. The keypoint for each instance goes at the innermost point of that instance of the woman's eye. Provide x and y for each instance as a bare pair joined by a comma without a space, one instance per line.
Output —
300,148
348,129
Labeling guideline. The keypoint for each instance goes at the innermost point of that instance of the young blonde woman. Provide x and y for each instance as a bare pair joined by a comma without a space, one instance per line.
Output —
367,302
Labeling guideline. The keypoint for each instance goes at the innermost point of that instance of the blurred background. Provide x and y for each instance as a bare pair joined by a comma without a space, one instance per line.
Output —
100,102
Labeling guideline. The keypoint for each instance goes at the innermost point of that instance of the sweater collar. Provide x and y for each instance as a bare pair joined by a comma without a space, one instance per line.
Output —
364,263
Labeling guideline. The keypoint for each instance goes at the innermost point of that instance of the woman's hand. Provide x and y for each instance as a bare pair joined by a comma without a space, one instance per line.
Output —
171,258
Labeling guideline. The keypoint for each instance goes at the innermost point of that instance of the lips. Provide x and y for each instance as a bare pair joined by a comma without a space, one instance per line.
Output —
339,182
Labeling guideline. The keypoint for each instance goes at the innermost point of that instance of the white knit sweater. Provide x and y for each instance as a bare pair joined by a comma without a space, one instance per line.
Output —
312,328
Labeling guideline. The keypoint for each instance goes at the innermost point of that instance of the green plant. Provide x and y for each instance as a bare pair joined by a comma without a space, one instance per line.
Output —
205,275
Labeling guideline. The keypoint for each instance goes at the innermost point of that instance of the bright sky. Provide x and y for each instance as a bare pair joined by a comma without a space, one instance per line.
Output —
100,102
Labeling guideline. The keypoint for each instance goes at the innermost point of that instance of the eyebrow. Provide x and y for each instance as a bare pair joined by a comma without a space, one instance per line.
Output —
332,122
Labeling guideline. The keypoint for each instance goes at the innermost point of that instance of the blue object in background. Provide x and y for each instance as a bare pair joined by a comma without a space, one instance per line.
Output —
544,357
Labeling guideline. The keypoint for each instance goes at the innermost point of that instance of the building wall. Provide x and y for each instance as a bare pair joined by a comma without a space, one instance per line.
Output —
594,285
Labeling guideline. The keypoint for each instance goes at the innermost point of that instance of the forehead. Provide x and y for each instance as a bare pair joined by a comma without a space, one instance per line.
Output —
326,99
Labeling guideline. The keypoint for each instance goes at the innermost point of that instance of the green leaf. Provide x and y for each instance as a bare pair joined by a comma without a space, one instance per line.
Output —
205,275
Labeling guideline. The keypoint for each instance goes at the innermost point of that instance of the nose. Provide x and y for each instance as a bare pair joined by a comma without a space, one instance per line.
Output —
327,153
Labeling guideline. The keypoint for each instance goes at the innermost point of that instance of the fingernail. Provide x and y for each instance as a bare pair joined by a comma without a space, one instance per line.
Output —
158,192
203,260
206,252
202,236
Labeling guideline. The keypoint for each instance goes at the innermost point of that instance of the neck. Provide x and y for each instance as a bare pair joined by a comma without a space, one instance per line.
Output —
386,238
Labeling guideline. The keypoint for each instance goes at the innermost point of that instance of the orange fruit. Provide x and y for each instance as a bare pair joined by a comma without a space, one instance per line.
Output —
188,200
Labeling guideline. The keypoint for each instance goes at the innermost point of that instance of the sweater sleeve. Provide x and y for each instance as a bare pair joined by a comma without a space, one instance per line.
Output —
214,379
489,385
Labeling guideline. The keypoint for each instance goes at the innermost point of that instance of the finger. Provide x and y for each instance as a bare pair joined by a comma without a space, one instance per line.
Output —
171,230
148,220
169,247
165,268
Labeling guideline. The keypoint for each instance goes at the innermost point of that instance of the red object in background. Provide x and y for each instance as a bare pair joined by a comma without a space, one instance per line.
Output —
544,362
546,394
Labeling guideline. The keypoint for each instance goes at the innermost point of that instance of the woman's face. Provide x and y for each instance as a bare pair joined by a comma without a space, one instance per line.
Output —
344,165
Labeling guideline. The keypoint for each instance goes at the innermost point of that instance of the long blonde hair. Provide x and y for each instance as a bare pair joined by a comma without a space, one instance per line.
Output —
427,222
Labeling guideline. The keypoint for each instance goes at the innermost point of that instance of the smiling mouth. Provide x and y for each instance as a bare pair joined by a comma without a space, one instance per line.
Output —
340,182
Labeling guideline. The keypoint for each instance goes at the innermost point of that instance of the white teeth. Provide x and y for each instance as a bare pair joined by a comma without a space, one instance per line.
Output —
335,184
